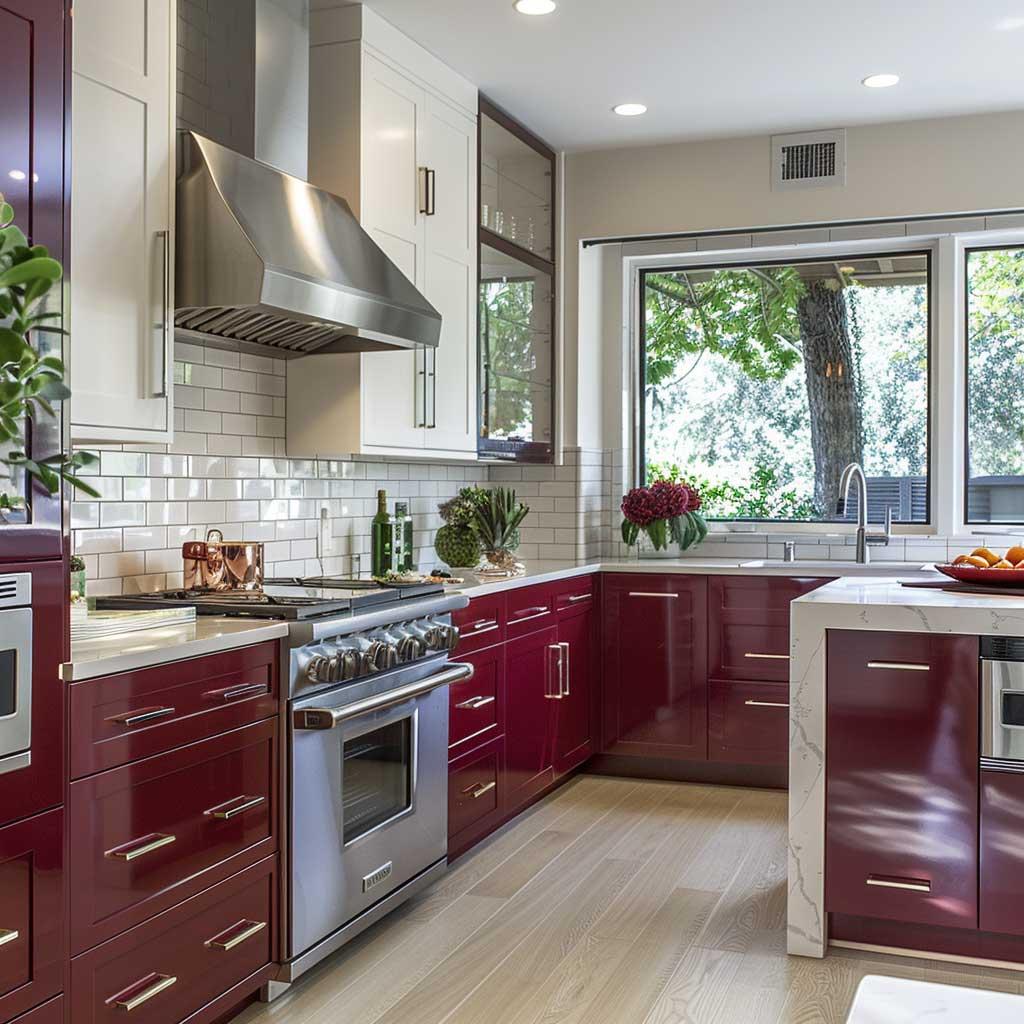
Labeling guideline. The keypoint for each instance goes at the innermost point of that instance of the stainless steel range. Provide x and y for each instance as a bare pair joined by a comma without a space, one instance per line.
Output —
366,763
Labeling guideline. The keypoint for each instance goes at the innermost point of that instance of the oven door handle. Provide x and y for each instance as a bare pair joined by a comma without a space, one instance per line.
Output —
328,718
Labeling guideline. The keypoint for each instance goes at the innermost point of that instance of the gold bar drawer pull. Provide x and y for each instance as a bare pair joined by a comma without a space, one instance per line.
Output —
236,692
765,704
524,614
579,597
228,810
140,847
8,935
900,666
475,703
130,718
160,983
483,626
245,930
894,882
480,789
645,593
766,657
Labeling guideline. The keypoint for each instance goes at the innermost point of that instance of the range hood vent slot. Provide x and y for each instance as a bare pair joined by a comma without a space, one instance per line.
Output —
808,160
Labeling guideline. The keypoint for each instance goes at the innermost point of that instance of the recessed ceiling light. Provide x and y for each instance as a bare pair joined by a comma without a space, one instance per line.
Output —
881,81
630,109
535,7
16,175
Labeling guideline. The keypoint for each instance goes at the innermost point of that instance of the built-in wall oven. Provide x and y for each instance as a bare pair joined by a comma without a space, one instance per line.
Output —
368,778
15,671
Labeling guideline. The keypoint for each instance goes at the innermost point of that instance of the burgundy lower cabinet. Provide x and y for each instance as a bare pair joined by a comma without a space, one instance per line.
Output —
32,939
902,777
202,955
476,707
654,647
51,1012
574,728
532,685
150,834
1001,906
476,795
748,722
748,625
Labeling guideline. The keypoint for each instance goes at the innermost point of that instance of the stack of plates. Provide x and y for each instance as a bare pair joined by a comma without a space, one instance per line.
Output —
89,624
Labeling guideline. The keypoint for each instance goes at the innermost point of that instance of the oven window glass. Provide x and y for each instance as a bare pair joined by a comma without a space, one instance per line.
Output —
8,682
376,777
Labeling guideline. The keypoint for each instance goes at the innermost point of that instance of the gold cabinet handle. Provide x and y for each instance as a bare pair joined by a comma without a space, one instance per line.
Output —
130,851
159,984
130,718
548,695
536,614
900,666
648,593
248,930
765,704
230,808
475,703
484,626
235,692
478,790
894,882
766,657
580,597
8,935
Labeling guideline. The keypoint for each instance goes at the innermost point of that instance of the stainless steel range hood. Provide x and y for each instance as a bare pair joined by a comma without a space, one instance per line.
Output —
266,259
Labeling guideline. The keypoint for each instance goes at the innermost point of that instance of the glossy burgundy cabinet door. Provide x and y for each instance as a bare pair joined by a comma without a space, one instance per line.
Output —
530,716
476,707
481,624
1001,906
748,723
194,944
126,717
574,710
152,833
902,777
51,1012
655,666
748,625
529,609
32,945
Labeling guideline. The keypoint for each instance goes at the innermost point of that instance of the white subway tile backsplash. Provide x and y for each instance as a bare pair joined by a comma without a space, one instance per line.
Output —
221,401
122,513
238,380
144,538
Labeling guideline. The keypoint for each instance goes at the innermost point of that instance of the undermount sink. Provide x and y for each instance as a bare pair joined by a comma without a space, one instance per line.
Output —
841,568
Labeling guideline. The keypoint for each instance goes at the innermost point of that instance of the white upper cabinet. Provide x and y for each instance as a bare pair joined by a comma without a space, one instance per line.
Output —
393,131
122,220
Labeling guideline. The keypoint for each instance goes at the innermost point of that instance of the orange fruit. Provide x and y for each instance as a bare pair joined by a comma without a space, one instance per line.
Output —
977,561
1003,564
961,559
990,556
1015,554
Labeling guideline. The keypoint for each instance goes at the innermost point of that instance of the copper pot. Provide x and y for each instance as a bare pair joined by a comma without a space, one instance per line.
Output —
219,564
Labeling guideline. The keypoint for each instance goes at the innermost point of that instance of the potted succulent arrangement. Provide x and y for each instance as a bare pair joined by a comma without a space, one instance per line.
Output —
665,512
457,543
496,521
30,383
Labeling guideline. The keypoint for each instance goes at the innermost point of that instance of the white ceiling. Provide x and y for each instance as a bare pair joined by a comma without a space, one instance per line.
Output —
717,68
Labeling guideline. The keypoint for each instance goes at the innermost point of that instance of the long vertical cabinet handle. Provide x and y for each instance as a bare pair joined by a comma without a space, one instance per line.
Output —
432,379
554,649
162,384
428,192
420,402
564,653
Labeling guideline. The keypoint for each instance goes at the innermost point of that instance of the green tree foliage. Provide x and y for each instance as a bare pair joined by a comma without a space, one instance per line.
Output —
505,316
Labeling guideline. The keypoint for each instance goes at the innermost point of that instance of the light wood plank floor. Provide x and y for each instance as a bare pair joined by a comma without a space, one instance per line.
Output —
611,902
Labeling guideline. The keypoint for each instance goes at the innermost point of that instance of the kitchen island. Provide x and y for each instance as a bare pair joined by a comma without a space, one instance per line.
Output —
845,640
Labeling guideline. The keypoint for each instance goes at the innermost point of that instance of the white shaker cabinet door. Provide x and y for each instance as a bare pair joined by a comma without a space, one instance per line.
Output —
449,151
122,223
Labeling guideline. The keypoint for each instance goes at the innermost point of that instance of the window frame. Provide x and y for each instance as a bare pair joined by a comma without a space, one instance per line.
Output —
968,248
792,256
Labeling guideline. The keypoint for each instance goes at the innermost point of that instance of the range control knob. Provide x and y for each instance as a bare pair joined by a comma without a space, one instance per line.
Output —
387,656
318,669
409,649
348,664
452,635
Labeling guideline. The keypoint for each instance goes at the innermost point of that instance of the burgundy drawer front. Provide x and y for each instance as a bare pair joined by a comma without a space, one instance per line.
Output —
186,944
217,799
474,787
902,775
573,595
748,723
529,610
51,1012
477,706
748,625
481,625
1001,907
122,718
31,912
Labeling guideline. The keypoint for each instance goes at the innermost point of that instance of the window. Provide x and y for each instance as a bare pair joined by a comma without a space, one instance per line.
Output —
995,399
762,381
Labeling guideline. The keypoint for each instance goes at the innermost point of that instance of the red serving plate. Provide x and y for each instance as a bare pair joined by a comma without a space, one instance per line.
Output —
986,577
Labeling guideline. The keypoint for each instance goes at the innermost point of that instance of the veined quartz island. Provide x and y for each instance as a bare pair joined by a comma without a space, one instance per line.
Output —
864,603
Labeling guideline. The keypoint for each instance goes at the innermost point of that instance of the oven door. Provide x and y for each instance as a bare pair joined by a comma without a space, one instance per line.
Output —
15,689
369,796
1002,710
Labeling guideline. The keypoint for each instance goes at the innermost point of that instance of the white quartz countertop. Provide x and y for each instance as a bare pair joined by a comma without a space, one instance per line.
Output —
145,648
884,1000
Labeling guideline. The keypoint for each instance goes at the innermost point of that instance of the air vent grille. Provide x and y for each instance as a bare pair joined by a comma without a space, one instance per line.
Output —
15,589
808,160
1002,648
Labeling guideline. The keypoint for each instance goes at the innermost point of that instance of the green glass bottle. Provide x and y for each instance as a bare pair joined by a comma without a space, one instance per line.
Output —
403,537
382,536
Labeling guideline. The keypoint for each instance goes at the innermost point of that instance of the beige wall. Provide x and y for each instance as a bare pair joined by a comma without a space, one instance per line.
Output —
906,169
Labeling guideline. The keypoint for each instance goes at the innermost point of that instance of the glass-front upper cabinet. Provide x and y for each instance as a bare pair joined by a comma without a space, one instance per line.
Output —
517,295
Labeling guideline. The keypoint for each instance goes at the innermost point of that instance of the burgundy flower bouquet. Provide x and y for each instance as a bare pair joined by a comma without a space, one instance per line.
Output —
665,512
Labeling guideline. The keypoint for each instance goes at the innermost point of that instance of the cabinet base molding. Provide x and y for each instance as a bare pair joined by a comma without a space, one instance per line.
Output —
929,942
757,776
